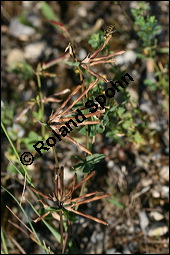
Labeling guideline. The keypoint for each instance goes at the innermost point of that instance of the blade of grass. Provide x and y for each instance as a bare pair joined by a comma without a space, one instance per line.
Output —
16,153
47,11
4,243
52,230
22,209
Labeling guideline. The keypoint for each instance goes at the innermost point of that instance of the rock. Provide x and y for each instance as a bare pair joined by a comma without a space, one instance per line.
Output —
18,30
156,216
82,12
164,173
34,50
127,58
110,164
112,251
144,221
154,126
155,193
14,57
133,94
82,54
16,131
158,229
146,106
165,192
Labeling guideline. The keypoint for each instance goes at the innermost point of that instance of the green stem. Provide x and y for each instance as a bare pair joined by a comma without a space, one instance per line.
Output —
84,101
61,230
55,157
41,104
16,153
61,213
67,235
87,136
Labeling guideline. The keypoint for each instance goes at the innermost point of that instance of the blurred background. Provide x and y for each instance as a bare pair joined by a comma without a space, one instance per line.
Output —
135,170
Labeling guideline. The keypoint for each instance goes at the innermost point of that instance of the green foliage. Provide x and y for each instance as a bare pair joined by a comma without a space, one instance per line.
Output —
96,40
92,129
138,138
147,29
3,238
117,121
32,138
69,215
23,19
72,63
37,115
151,84
147,26
122,122
33,231
7,113
86,165
24,69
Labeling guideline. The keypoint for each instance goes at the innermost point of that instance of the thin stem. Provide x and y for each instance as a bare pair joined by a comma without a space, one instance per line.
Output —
87,135
41,103
58,170
61,230
16,153
82,190
55,157
67,235
83,88
61,187
87,129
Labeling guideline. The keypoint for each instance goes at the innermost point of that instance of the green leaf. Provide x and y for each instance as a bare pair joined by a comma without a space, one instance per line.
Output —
11,168
31,140
95,158
96,39
100,128
115,202
92,130
105,119
4,242
37,115
23,19
47,11
83,130
72,63
24,69
88,164
120,111
141,56
69,215
138,138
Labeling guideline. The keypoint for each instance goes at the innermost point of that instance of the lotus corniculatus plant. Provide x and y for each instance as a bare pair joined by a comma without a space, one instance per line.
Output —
63,200
61,116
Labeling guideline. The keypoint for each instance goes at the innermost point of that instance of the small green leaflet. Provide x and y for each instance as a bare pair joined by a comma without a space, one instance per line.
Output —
72,63
69,215
88,164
